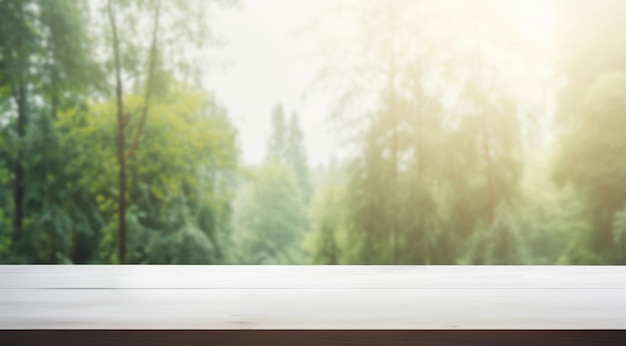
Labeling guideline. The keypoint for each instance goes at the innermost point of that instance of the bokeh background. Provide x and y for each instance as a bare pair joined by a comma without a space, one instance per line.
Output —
313,132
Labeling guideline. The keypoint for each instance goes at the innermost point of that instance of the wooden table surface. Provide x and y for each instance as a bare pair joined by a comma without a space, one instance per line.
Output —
313,297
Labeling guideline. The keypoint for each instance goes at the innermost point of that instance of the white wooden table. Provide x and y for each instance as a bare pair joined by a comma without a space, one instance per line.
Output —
313,297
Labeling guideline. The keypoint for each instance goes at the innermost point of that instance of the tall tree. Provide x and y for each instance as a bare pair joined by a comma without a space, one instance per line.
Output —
590,113
296,155
179,183
326,240
270,217
276,150
286,146
20,43
438,152
49,88
44,54
123,153
187,24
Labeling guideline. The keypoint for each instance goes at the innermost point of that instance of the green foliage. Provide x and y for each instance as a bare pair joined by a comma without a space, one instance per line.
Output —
428,173
437,172
296,155
43,56
184,30
286,145
619,235
277,144
327,239
57,136
179,195
270,218
590,113
591,156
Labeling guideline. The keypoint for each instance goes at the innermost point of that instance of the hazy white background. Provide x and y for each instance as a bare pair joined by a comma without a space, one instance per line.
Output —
267,64
267,61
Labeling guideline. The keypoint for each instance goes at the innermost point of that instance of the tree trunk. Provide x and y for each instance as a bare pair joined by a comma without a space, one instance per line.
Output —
123,155
122,183
20,189
152,58
120,142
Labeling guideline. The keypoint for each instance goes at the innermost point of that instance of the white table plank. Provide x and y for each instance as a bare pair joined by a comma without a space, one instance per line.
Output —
134,276
313,309
307,297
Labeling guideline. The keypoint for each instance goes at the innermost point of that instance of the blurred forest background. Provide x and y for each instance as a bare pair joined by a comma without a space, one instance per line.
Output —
457,149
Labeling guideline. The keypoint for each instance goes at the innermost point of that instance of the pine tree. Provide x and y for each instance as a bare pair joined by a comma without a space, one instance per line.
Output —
296,155
590,112
286,146
276,150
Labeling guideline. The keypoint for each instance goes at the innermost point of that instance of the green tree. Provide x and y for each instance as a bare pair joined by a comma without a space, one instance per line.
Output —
590,157
270,217
296,155
20,43
429,172
276,150
180,182
44,55
123,153
286,145
187,23
590,115
326,242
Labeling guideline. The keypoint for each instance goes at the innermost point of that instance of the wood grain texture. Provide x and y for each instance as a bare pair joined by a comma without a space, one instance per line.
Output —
304,297
396,277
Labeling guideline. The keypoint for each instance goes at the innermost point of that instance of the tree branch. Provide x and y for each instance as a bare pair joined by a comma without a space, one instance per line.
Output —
142,120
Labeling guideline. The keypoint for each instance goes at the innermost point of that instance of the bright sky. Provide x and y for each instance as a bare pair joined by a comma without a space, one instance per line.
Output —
268,64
